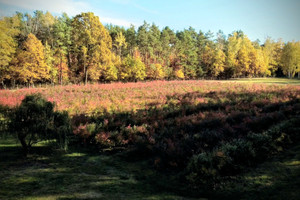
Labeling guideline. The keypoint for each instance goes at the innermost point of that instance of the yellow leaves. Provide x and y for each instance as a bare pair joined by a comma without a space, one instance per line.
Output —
155,71
290,59
84,51
132,69
7,46
30,65
245,59
120,42
48,19
219,62
95,44
179,74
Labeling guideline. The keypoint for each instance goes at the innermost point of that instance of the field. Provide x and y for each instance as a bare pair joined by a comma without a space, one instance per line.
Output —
234,139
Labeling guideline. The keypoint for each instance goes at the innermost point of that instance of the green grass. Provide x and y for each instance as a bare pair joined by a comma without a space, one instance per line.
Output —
81,174
284,81
277,178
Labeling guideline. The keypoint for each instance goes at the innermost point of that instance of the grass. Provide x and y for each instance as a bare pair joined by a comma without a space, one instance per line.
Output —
284,81
81,174
277,178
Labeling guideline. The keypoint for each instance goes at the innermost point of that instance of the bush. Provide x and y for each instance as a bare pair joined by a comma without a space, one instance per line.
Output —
204,169
35,120
240,152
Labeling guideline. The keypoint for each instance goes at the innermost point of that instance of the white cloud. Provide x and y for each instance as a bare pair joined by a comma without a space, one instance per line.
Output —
71,7
115,21
55,6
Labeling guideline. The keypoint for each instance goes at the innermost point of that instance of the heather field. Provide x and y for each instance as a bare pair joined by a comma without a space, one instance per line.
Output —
191,139
130,97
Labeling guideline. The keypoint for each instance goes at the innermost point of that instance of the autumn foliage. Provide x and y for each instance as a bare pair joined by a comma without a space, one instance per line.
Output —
62,50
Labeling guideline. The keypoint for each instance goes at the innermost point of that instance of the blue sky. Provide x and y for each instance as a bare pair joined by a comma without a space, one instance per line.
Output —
257,18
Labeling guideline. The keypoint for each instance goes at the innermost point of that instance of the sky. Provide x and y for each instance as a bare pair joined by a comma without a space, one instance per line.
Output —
258,19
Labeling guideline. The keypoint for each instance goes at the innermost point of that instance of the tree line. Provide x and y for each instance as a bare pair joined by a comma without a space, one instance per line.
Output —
46,49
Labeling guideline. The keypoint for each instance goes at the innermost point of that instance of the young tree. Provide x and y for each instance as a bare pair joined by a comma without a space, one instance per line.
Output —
132,69
155,71
120,42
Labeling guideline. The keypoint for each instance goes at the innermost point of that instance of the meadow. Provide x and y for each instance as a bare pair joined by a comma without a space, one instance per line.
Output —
162,140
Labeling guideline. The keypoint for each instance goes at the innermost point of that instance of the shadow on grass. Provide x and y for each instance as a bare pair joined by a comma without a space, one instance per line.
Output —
84,175
89,174
277,178
79,174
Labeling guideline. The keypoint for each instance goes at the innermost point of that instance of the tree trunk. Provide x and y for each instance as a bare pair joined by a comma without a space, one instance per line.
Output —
24,145
3,85
60,75
69,60
86,76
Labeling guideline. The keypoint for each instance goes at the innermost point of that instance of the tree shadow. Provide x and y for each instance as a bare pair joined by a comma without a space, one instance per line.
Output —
150,165
79,174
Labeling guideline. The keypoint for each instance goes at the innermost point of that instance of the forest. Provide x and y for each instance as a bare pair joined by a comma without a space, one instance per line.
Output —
47,49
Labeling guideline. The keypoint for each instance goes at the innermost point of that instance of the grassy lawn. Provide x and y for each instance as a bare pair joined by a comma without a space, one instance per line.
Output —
48,174
79,174
284,81
277,178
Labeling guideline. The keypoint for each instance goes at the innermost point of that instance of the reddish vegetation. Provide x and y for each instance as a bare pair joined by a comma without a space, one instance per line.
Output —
210,128
126,97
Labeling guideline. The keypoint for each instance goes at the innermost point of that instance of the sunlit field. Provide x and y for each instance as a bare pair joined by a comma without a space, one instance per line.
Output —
130,97
285,81
162,140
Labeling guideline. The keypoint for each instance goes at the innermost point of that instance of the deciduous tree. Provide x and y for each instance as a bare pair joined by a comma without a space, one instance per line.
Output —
290,59
30,65
8,45
92,45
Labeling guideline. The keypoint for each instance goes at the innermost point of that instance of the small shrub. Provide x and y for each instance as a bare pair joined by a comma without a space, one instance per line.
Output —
262,145
240,151
35,119
204,169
